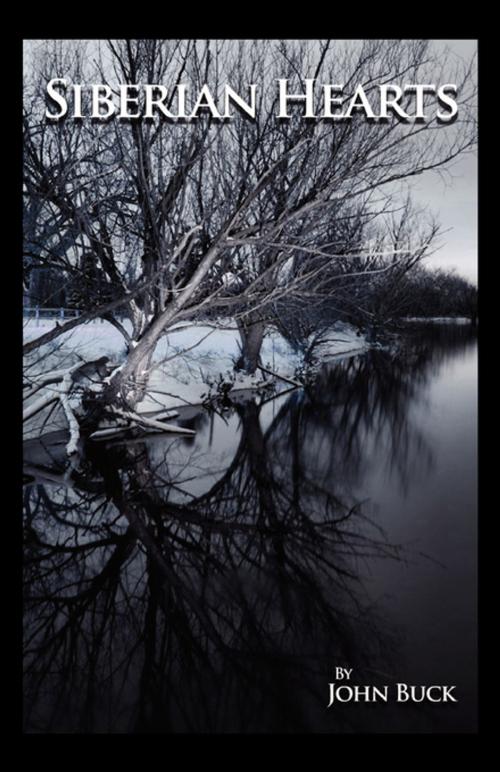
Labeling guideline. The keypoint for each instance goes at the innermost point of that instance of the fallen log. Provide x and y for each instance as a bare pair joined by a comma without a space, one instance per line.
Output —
151,423
61,382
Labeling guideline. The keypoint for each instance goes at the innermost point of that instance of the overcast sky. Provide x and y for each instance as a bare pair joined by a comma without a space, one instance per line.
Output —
454,200
452,197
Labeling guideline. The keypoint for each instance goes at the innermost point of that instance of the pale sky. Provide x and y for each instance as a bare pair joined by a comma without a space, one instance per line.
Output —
452,198
454,201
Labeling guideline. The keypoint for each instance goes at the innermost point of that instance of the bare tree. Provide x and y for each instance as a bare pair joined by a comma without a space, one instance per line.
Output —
166,221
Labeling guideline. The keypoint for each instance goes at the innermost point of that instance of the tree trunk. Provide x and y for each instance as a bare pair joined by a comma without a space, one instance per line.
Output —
251,336
128,385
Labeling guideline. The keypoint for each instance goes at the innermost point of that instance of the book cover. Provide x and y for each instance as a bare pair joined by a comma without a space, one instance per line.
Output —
249,386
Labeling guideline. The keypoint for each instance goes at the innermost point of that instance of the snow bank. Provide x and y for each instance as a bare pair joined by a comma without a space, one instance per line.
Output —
190,359
341,339
438,319
90,340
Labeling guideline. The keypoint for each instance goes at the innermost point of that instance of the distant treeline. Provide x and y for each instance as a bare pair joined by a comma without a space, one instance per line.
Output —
378,303
438,292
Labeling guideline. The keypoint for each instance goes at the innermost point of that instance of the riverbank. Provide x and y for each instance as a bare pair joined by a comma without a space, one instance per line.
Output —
438,319
192,363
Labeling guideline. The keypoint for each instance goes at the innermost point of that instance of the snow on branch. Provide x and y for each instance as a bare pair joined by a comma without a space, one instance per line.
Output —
62,382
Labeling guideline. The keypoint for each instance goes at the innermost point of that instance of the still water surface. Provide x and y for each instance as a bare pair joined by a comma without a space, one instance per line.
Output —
213,584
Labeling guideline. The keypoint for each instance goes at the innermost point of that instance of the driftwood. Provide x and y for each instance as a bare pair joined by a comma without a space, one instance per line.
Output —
151,423
113,431
66,379
103,434
61,383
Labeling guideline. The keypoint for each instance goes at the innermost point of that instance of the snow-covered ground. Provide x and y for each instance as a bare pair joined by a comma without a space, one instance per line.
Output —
189,360
438,319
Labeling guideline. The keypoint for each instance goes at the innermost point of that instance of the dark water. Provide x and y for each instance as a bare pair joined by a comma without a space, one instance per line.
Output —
213,584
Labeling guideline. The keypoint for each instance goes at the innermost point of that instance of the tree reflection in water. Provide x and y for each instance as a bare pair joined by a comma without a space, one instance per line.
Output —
154,605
